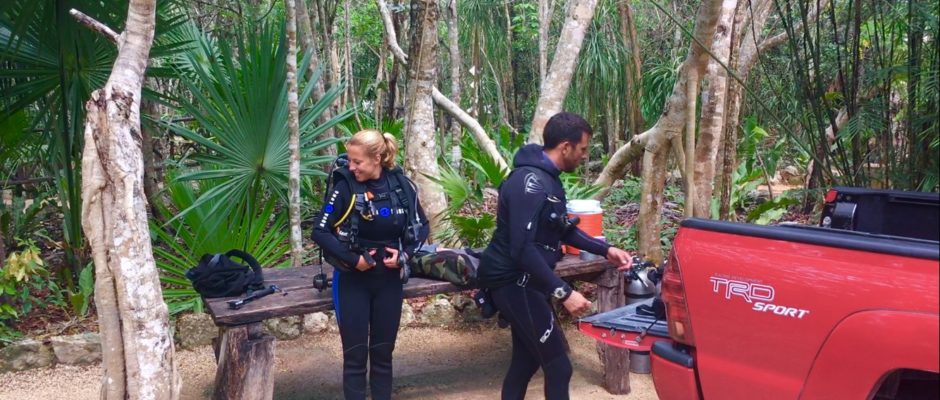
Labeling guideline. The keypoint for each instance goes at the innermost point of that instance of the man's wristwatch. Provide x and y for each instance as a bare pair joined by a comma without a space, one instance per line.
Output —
562,293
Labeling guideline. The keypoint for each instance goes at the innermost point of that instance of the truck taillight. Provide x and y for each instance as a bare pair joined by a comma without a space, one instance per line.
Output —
677,310
831,196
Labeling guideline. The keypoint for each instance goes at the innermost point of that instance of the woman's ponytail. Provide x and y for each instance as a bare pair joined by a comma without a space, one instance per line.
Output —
391,150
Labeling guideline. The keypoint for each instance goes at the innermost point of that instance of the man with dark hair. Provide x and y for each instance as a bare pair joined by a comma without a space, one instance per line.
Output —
565,127
517,267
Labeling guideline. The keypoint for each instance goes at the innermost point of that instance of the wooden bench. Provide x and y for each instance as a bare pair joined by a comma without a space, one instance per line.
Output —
245,355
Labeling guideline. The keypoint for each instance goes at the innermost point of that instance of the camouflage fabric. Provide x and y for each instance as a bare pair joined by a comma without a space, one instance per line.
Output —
457,266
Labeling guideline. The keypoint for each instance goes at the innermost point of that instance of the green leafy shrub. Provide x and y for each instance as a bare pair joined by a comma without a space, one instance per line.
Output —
260,231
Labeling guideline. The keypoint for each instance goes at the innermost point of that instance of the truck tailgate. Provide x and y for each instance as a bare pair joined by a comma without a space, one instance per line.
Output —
625,328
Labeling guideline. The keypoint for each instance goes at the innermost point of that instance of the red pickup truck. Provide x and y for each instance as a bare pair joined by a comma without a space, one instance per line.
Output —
796,312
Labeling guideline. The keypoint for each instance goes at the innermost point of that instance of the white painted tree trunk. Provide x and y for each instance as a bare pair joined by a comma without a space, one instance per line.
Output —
421,151
555,86
293,126
137,348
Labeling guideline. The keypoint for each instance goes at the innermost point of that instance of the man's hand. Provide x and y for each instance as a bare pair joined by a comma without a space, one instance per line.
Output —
576,304
622,259
364,265
391,258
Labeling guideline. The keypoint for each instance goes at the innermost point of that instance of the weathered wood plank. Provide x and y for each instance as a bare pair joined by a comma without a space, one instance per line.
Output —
616,361
299,297
245,364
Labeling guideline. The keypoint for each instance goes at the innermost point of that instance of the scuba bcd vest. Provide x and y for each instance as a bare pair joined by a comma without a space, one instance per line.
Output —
402,194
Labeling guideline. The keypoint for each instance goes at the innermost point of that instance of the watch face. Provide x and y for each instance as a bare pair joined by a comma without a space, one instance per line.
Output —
559,293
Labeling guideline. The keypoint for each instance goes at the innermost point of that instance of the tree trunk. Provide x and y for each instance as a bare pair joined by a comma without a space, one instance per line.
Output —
350,79
380,76
152,178
712,125
634,69
293,125
307,45
512,97
555,86
453,36
672,120
137,347
649,226
472,125
689,157
446,104
545,24
420,140
327,16
749,47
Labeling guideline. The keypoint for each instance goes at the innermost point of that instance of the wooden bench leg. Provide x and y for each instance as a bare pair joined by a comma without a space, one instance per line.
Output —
246,363
616,361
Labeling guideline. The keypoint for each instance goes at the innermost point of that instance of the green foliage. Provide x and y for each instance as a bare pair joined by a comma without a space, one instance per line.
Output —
261,231
577,187
771,211
469,220
22,222
81,299
22,279
49,65
239,102
659,77
757,163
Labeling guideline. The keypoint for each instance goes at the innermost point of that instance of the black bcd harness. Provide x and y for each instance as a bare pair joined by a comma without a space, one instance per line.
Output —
402,194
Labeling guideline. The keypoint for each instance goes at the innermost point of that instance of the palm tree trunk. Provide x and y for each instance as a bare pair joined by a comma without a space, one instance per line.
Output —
137,347
554,88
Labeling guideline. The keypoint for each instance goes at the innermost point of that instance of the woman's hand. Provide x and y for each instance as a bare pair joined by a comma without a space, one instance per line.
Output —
391,258
364,265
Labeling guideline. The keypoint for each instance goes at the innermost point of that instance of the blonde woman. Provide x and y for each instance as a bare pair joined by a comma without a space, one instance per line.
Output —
371,223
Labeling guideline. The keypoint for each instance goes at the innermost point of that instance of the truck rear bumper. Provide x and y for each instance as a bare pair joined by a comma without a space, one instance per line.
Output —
673,373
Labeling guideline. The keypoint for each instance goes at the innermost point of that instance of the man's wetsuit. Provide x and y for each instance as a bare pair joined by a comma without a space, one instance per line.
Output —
518,268
367,303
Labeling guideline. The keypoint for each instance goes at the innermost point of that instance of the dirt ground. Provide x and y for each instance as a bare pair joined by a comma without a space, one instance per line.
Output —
430,363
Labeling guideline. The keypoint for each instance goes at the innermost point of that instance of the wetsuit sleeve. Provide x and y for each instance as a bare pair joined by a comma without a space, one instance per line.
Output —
577,238
337,204
523,195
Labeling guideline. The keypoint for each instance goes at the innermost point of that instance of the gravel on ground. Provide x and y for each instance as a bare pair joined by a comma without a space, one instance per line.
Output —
430,363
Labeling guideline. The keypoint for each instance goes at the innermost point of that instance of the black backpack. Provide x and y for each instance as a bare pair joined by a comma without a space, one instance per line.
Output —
218,276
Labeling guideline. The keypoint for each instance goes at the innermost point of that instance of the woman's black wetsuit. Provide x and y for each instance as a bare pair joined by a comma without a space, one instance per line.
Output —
367,303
